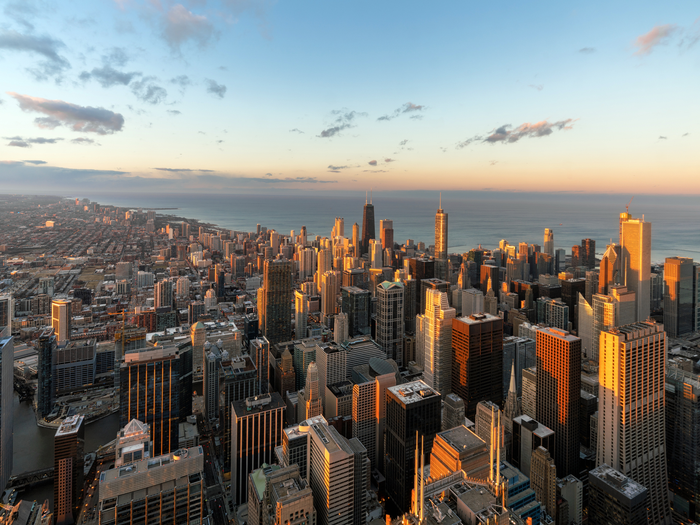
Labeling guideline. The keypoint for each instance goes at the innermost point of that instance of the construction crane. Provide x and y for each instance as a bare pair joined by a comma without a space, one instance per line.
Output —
628,204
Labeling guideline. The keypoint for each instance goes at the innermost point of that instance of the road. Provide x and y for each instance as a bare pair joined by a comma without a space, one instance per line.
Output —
214,493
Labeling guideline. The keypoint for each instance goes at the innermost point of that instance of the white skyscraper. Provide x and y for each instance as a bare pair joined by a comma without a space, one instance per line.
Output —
549,241
631,411
341,328
472,302
331,360
434,341
375,253
301,314
635,261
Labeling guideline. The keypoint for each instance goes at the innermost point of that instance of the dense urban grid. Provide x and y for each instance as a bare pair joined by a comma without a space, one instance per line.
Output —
270,378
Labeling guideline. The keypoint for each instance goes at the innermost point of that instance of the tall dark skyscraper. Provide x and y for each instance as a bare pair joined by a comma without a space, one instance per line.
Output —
275,301
69,445
156,388
410,408
679,300
477,360
44,390
367,225
558,394
587,253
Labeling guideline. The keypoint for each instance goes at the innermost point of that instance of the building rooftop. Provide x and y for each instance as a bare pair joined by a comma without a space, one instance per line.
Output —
70,425
461,438
559,334
478,318
257,404
534,426
150,354
618,481
413,392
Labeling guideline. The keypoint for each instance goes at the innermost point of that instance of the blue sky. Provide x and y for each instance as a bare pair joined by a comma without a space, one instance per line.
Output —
244,95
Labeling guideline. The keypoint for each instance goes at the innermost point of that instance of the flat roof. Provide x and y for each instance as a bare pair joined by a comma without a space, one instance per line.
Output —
461,438
413,391
478,318
559,334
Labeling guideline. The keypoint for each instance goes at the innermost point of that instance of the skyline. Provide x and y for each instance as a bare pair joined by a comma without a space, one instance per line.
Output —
264,96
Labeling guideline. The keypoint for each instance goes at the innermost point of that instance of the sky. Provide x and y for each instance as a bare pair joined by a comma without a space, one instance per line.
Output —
254,96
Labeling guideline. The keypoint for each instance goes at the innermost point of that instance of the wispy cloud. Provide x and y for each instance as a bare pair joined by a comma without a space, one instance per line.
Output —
215,89
147,90
587,50
107,76
181,26
372,163
184,170
83,141
183,81
506,134
19,142
658,35
408,107
336,168
661,137
174,112
295,130
46,47
78,118
35,162
538,87
343,120
116,56
389,160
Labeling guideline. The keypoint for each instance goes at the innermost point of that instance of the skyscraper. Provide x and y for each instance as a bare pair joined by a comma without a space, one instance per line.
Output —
412,412
434,341
155,387
312,393
609,269
163,293
386,234
212,364
330,287
6,314
356,304
331,359
615,498
543,478
441,242
477,360
275,301
69,445
683,434
260,350
301,314
631,412
338,476
549,241
390,319
679,299
256,429
46,346
558,393
7,356
587,253
61,319
367,226
635,261
369,416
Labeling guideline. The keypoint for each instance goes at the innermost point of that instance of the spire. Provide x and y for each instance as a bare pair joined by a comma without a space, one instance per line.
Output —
366,198
440,200
370,196
512,388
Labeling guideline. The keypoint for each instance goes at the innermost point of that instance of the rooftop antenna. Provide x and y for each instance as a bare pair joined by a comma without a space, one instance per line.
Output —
365,197
440,200
370,196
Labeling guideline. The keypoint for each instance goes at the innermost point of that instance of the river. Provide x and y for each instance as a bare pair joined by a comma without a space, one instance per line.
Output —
33,445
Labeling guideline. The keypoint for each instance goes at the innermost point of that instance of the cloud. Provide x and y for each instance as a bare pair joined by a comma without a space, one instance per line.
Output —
117,56
268,174
183,81
174,112
183,170
372,163
493,162
107,76
389,160
408,107
53,64
538,129
505,134
658,35
36,162
181,26
691,36
85,141
403,142
79,118
20,142
343,120
538,87
215,89
295,130
661,137
336,168
375,171
685,134
21,12
587,50
147,90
